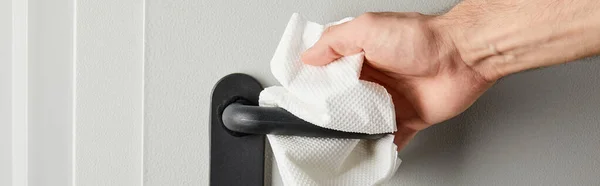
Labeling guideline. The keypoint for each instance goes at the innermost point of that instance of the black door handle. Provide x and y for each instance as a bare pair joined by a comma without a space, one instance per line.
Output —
238,125
248,119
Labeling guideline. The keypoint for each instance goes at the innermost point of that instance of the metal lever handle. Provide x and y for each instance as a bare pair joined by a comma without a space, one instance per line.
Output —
248,119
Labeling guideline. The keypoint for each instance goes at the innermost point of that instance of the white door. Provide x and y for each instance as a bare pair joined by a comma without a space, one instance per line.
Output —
142,74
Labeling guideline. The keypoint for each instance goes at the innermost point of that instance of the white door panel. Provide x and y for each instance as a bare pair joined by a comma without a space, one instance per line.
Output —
190,44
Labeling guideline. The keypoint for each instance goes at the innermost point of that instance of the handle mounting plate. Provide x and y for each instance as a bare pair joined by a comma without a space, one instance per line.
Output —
235,160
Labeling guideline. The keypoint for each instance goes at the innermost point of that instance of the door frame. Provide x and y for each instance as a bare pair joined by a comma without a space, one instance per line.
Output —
40,91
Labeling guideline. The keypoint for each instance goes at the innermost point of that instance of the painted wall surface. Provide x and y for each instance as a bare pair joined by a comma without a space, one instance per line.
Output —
5,92
109,92
540,127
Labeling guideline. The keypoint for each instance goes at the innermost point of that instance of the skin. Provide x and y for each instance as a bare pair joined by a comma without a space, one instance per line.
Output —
435,67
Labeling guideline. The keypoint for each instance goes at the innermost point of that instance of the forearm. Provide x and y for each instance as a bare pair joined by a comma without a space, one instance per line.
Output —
497,37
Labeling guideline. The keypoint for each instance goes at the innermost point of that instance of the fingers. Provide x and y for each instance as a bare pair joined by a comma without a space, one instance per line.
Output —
337,41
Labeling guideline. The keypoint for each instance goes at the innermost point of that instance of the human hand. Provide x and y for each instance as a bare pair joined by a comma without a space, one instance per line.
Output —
435,67
417,63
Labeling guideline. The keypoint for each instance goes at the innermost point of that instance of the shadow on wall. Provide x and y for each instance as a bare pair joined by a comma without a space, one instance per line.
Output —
439,150
534,127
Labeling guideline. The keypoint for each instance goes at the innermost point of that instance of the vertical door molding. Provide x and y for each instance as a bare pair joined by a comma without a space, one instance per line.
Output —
5,92
39,89
50,91
19,93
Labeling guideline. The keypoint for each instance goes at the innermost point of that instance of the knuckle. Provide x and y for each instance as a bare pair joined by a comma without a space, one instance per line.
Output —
368,18
328,30
413,14
418,26
328,33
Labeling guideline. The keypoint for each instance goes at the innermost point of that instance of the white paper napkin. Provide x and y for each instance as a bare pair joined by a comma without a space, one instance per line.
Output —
333,97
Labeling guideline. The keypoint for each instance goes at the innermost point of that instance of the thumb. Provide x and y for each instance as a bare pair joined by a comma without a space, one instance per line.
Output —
335,42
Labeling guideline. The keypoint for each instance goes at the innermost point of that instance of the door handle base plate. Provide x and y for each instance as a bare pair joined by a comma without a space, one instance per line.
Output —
235,160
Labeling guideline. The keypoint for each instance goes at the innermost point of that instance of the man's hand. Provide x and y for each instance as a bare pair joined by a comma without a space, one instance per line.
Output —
417,64
435,67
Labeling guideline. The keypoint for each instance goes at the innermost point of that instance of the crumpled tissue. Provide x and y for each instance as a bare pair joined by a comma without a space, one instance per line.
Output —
333,97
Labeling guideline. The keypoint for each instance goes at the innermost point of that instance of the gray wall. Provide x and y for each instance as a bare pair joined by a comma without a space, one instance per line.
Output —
535,128
538,127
